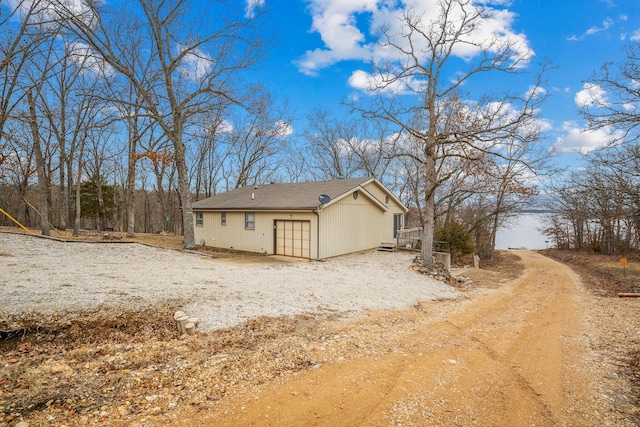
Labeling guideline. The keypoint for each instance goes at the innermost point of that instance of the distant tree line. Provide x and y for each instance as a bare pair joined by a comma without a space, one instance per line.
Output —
598,207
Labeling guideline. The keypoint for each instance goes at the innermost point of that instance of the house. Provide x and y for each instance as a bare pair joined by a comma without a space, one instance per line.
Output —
315,220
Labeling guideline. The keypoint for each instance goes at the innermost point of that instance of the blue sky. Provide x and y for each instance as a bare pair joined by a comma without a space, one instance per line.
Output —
322,43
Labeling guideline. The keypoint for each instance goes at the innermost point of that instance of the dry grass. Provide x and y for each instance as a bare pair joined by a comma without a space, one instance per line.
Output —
507,266
604,275
124,363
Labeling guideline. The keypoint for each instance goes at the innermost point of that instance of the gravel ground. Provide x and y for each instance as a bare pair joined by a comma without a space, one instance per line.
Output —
46,276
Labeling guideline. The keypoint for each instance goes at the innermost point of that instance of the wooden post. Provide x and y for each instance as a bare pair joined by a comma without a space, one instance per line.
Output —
190,328
177,317
628,295
184,323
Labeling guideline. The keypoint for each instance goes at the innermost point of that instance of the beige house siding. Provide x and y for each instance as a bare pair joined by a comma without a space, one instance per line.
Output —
381,195
235,236
355,225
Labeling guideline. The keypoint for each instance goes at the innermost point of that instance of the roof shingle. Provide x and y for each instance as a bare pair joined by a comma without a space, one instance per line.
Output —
291,196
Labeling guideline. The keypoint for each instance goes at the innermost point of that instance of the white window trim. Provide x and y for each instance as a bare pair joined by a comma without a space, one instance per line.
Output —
246,222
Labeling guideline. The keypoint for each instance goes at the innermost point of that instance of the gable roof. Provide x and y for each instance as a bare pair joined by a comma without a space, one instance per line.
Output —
291,196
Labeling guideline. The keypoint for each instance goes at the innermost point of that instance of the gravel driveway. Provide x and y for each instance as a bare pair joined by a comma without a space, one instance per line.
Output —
44,276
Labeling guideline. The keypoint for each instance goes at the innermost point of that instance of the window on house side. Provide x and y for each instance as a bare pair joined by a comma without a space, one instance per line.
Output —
199,219
249,221
223,218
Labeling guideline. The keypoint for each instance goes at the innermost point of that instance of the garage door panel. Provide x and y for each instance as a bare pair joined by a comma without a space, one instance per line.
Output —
292,238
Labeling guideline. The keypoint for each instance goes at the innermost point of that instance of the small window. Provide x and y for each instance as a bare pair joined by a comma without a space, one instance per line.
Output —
199,219
249,221
223,218
355,195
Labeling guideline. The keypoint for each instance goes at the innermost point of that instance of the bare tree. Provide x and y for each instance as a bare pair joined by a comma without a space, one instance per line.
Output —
37,70
64,101
417,95
569,225
256,139
21,32
193,70
329,153
16,172
613,99
345,147
43,177
211,155
598,206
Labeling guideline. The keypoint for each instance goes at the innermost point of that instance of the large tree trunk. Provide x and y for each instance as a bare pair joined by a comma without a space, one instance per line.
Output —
428,232
185,194
494,226
76,222
428,220
102,217
162,197
40,167
78,205
64,191
130,193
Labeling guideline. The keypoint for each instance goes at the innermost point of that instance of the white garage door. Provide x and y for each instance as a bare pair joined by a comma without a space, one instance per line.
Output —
292,238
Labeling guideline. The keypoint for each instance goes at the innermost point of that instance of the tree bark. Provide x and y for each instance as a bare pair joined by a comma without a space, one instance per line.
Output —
102,219
40,167
185,193
131,184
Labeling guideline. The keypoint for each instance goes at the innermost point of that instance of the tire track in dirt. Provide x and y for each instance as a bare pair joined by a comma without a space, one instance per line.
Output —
509,358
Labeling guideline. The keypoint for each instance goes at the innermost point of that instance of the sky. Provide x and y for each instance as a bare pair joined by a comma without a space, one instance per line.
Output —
324,48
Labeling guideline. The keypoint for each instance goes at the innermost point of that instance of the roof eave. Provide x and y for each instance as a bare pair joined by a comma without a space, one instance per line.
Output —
254,208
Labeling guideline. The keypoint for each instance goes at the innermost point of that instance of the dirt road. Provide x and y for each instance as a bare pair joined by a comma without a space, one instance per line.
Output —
515,356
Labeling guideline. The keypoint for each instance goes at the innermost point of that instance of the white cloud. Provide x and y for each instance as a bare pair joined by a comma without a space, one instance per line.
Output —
346,38
47,11
216,127
87,60
361,80
606,24
503,3
335,21
195,65
225,126
591,94
635,36
579,140
251,6
283,129
536,91
366,82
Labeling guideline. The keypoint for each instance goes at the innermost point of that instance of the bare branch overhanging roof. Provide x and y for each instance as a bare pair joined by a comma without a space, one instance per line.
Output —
291,196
